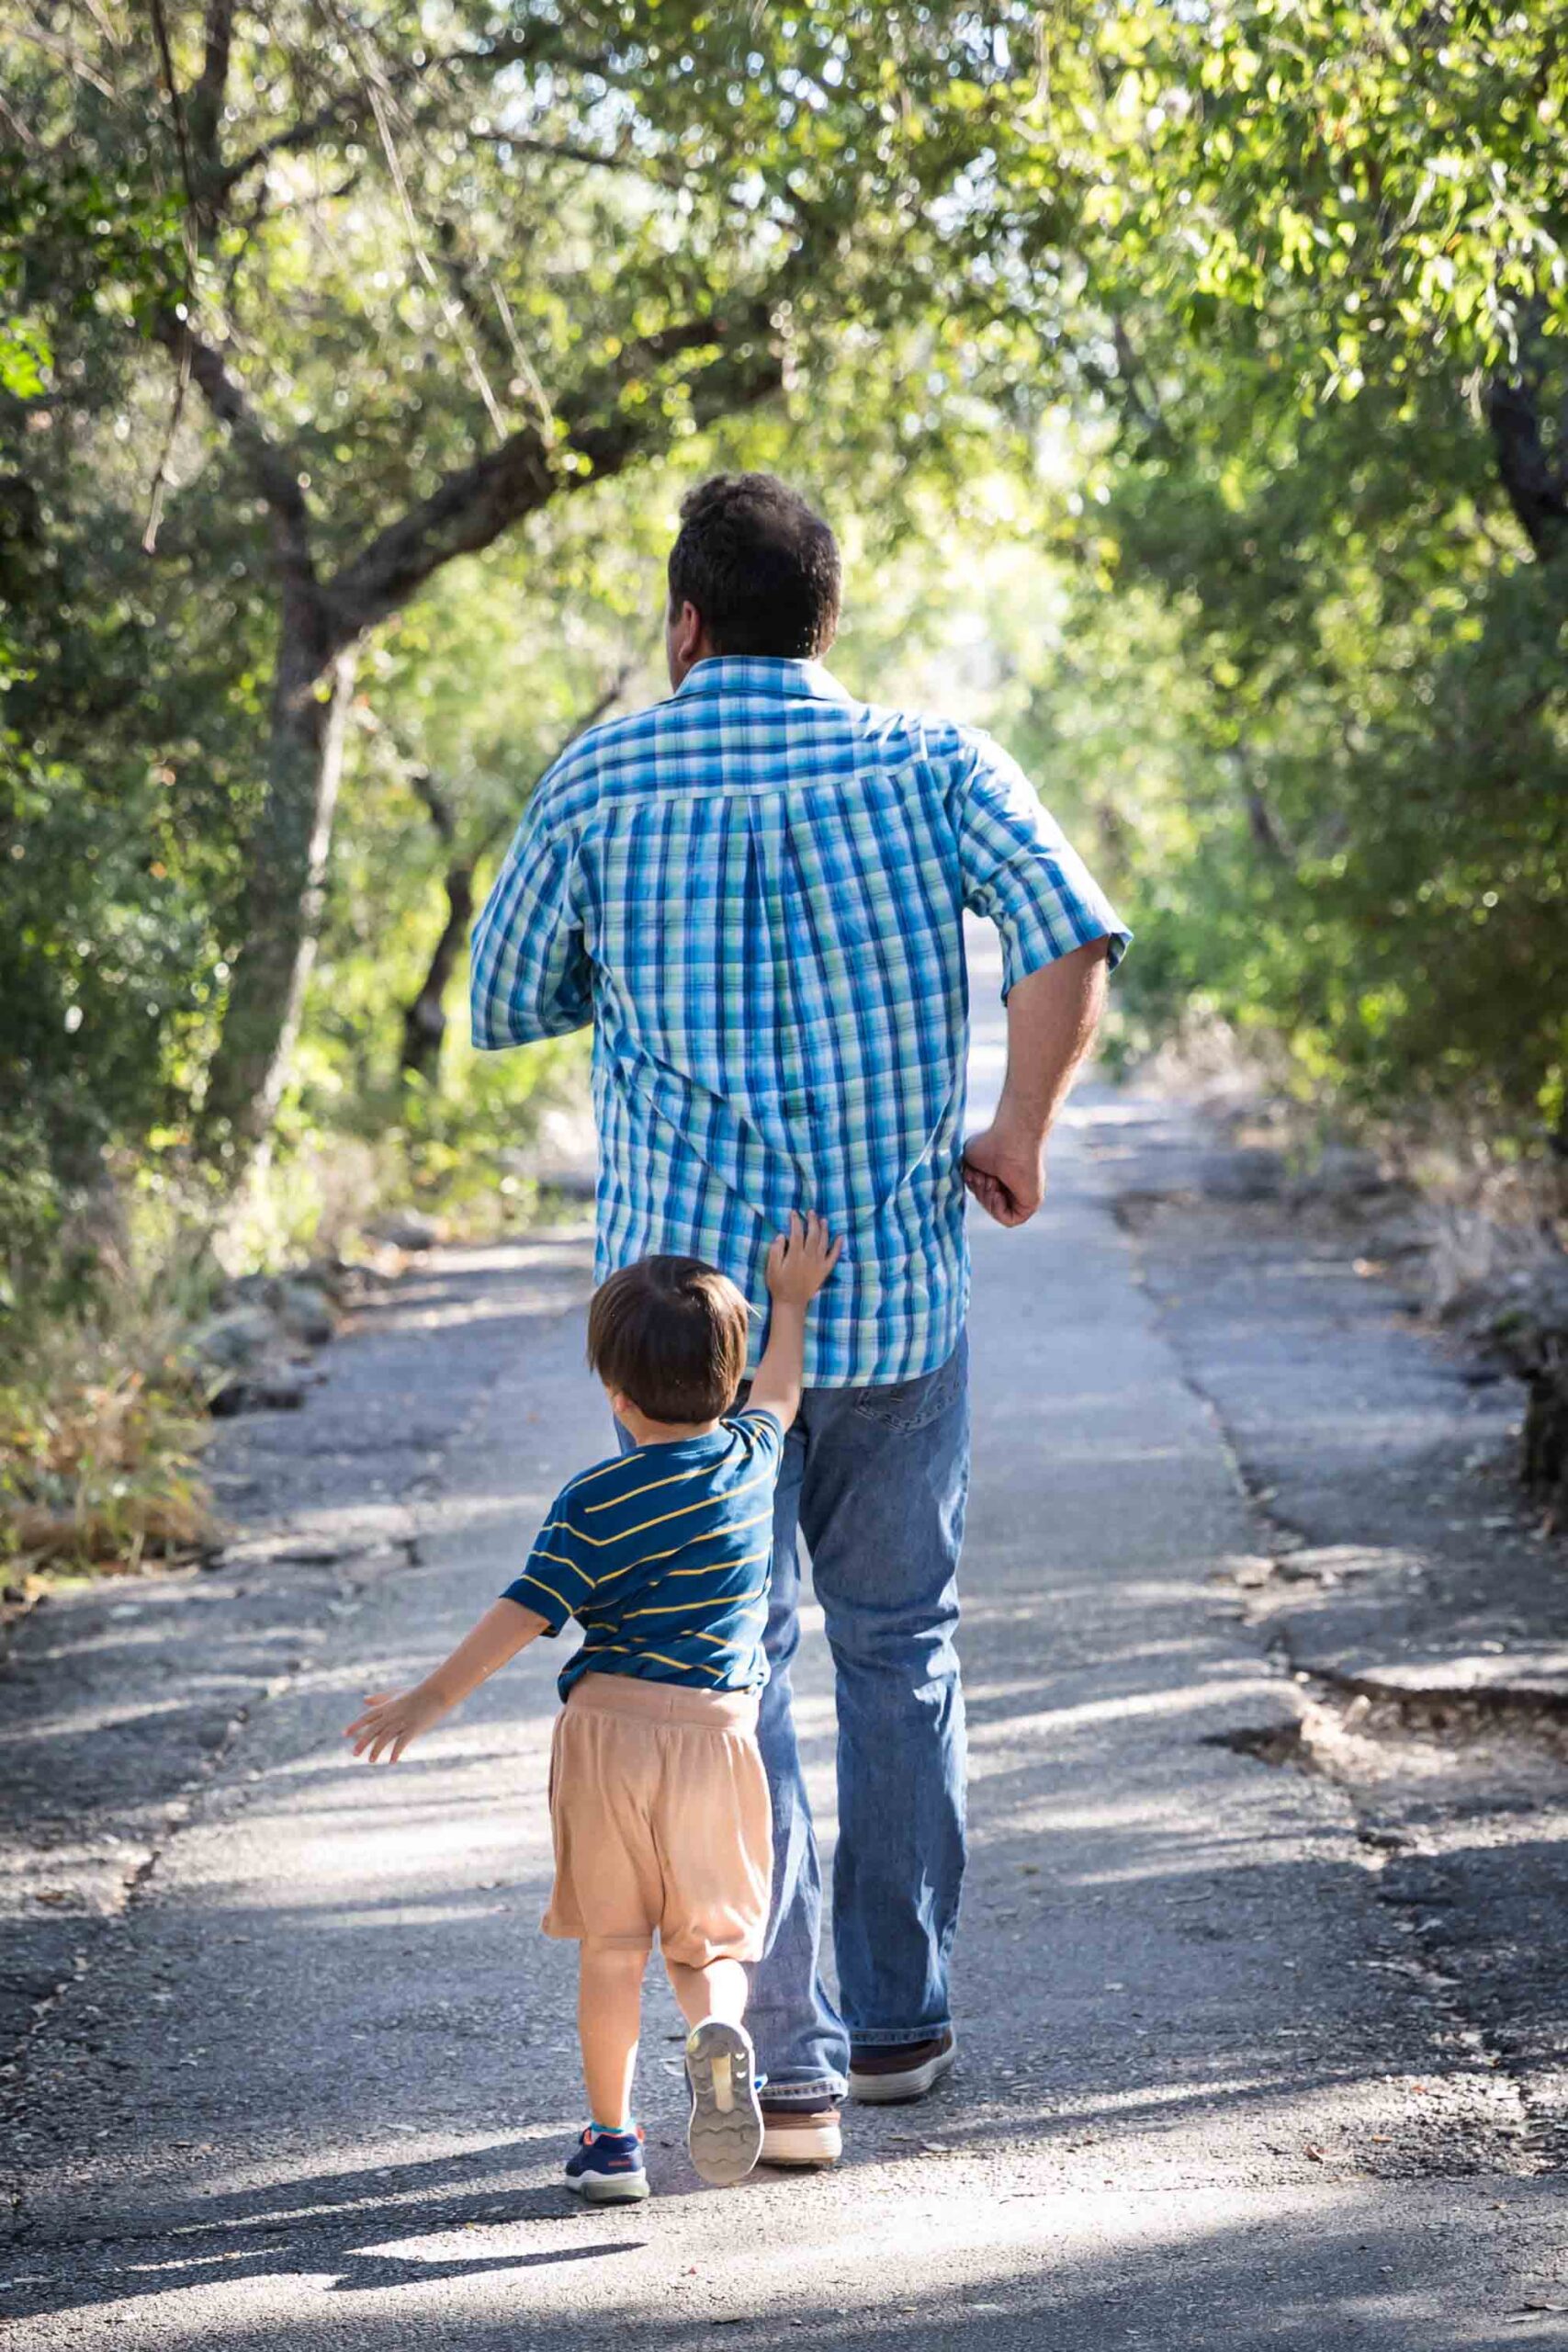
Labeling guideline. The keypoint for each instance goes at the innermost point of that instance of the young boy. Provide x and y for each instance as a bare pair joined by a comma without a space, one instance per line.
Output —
659,1802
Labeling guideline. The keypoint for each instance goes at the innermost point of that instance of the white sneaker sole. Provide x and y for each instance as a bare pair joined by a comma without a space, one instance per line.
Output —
894,2090
795,2150
725,2134
603,2188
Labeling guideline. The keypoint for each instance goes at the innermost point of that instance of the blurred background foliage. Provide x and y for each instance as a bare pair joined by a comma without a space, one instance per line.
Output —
1188,388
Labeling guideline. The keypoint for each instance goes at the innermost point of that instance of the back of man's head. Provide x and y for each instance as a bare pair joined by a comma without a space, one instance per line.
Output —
759,565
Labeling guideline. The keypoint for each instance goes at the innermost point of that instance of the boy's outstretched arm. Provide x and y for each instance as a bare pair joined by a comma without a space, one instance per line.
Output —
798,1264
391,1718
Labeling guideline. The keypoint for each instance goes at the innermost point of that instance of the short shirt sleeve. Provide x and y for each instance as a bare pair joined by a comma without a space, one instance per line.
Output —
765,1432
530,975
556,1581
1019,870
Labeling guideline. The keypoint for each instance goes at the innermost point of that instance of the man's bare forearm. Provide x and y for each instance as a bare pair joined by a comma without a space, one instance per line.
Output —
1053,1015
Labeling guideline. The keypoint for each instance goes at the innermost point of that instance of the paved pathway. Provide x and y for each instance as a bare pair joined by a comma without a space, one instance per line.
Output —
317,2093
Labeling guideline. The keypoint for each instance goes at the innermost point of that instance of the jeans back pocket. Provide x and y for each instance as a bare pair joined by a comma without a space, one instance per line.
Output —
906,1405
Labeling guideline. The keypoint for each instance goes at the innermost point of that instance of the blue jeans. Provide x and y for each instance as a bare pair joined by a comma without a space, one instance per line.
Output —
877,1480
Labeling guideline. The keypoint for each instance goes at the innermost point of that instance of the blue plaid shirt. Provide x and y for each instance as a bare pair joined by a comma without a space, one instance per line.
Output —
755,891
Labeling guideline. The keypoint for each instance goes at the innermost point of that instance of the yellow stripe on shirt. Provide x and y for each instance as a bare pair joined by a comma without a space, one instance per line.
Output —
625,1534
651,1559
683,1608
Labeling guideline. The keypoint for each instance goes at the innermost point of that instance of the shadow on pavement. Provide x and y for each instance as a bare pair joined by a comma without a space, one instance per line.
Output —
1093,2274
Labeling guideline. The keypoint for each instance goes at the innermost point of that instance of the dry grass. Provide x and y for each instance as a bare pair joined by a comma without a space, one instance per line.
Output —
1488,1216
1490,1219
100,1431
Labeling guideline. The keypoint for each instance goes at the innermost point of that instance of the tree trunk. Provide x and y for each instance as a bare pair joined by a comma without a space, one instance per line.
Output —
424,1022
281,902
1528,451
324,620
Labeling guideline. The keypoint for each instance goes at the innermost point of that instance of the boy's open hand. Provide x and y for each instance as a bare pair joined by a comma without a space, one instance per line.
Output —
801,1260
391,1720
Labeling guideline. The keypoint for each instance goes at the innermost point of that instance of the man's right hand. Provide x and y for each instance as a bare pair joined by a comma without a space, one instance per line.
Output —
1005,1172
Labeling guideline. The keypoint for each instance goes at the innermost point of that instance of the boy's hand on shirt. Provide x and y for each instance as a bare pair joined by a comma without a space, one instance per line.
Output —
801,1260
391,1719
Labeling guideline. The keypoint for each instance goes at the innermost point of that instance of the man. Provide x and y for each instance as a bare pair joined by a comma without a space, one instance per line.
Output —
755,891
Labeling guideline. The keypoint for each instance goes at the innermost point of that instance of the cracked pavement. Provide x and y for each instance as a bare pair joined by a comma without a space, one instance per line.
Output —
1251,2053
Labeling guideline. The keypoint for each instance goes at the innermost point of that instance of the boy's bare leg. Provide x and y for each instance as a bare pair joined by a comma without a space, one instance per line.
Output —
609,2022
725,2135
719,1990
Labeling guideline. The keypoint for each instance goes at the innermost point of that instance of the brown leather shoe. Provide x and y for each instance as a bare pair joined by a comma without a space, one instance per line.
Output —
885,2076
801,2136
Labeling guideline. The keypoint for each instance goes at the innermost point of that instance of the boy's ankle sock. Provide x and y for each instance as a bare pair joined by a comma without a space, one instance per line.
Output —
613,2131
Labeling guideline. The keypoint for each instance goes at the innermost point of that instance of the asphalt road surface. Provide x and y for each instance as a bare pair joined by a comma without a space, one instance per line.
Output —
314,2086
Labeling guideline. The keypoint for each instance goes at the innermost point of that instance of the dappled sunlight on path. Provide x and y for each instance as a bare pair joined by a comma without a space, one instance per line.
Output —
1204,2097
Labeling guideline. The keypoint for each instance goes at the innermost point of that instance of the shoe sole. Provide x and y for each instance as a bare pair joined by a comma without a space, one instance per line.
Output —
602,2191
898,2090
725,2134
827,2148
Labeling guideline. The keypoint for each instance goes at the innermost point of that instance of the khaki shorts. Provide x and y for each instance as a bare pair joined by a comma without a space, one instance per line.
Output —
659,1812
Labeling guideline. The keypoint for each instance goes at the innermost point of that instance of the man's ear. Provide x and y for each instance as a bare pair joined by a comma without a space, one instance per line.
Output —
688,635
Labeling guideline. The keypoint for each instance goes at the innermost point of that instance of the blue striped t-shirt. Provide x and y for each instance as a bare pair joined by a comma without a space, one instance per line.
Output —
662,1555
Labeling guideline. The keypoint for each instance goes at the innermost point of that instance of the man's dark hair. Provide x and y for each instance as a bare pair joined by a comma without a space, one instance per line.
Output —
760,568
672,1334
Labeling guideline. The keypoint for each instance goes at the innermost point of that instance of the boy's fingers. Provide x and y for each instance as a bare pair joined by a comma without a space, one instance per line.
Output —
362,1722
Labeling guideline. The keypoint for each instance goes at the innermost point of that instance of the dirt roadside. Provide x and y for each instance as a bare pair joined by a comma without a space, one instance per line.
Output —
1403,1586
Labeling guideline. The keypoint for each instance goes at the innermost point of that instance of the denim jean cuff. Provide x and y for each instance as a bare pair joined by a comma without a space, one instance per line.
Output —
900,2038
807,2095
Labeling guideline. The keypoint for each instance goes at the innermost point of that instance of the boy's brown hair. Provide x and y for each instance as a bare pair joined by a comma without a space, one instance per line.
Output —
672,1334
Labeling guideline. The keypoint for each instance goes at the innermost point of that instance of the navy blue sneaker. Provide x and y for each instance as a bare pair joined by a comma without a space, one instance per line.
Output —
608,2168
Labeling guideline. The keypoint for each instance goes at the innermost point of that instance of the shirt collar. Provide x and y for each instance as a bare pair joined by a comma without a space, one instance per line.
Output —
758,673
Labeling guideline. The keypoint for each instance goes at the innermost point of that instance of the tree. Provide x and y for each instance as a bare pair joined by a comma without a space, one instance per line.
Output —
1317,252
432,287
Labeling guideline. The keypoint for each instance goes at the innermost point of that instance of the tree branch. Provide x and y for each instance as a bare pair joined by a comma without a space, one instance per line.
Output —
349,109
565,151
345,109
1536,485
424,1020
269,465
470,509
437,808
205,106
188,241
